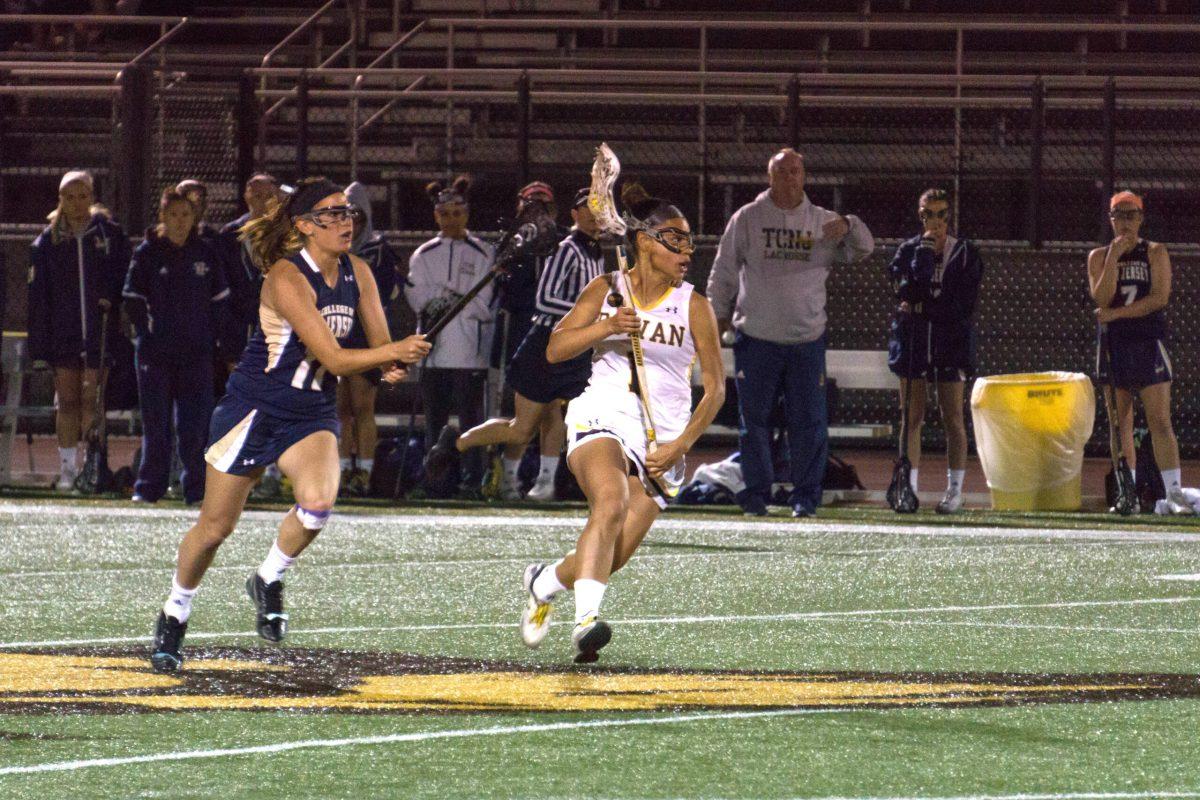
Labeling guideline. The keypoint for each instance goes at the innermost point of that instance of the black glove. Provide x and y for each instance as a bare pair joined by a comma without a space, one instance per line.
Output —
435,309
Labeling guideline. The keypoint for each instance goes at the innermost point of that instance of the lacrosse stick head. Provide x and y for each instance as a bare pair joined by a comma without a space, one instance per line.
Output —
605,171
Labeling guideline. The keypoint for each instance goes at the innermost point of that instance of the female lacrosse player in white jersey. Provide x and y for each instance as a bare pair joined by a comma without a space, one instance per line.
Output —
627,484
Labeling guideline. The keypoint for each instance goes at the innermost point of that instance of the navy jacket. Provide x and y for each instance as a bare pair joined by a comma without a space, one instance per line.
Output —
176,298
68,277
946,306
244,279
382,261
955,298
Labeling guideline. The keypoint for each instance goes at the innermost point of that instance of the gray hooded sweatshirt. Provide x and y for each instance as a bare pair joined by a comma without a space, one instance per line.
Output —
771,266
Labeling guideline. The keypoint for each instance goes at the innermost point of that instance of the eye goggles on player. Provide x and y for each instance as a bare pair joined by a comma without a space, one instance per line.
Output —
324,217
927,214
676,240
1130,215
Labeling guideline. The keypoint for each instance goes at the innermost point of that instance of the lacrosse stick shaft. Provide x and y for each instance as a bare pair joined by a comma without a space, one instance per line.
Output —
456,309
1110,402
639,358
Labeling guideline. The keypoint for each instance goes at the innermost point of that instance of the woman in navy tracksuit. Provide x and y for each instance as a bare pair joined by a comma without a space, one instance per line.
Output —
77,262
937,278
176,297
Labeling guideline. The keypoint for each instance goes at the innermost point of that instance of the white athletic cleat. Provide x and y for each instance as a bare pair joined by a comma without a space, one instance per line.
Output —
535,619
508,489
541,492
66,479
590,635
1178,504
951,503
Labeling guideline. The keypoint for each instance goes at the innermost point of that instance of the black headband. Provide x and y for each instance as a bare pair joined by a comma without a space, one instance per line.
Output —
304,198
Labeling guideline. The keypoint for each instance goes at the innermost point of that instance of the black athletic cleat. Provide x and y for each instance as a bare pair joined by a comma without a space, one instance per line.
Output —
271,622
168,640
590,636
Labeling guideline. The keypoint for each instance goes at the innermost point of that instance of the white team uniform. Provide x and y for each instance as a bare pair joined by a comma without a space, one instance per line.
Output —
609,407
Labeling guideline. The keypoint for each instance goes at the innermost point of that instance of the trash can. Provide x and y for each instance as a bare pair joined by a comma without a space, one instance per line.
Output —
1030,429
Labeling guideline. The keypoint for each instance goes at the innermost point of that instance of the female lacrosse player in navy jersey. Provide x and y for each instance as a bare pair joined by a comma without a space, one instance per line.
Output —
626,481
280,403
1130,280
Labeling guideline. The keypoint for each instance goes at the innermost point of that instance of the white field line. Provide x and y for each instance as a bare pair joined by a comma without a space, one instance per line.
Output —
303,566
1194,577
454,562
395,738
691,620
1022,626
668,522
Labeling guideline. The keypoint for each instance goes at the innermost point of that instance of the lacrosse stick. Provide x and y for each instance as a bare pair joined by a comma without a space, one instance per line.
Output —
605,171
1125,500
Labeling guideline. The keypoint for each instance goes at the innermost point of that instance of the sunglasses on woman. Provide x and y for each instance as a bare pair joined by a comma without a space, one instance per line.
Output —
1127,216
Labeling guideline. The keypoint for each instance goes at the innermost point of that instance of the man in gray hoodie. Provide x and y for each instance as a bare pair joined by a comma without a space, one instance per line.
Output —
767,285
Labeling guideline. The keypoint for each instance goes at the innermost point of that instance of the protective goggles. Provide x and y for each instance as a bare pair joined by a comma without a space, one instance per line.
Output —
927,214
676,240
324,217
1127,215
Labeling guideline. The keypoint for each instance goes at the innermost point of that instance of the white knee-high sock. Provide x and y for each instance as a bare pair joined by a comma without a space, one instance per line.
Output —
912,478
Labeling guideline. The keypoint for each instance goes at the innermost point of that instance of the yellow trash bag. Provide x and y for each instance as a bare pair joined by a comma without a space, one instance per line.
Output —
1030,430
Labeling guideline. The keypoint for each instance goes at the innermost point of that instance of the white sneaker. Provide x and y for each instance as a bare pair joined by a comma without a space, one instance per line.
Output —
542,492
508,489
66,479
590,634
951,503
535,619
1178,504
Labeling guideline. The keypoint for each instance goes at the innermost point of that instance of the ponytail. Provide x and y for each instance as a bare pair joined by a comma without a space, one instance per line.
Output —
273,235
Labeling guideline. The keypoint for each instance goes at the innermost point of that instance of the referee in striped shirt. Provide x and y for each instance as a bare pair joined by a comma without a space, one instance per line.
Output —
540,387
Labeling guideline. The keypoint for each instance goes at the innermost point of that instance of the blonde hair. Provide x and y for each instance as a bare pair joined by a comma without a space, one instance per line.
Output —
58,223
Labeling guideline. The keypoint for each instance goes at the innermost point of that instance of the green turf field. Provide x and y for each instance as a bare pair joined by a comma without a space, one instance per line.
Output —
859,655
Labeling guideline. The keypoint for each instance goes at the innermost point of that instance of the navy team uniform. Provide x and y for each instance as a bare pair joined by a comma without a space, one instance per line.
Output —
279,393
176,298
245,283
68,276
945,292
1139,353
382,261
577,261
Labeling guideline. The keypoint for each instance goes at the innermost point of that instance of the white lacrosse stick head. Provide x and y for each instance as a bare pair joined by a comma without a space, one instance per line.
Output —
605,170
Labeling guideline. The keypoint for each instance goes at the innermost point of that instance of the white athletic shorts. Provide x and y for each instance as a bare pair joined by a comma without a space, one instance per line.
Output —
618,416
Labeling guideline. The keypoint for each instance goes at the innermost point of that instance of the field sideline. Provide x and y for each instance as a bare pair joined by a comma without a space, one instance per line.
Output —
860,655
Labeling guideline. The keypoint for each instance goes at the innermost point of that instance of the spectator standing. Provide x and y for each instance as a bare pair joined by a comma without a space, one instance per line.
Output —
242,273
932,335
356,393
1130,281
441,271
176,297
768,286
78,261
